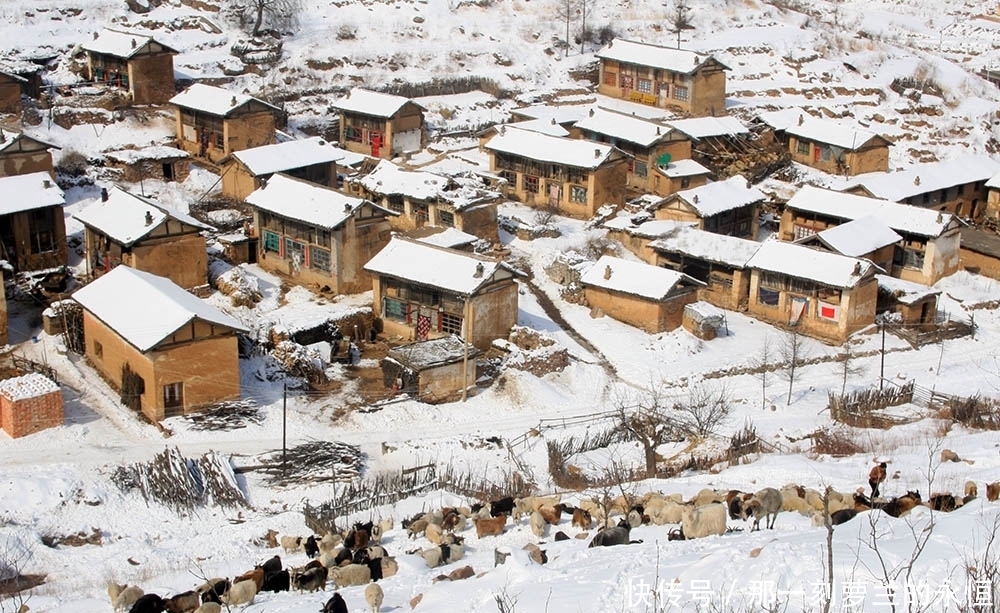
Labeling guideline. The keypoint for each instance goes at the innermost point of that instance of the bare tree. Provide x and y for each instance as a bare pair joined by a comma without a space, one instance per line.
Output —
613,487
276,13
14,556
793,351
566,10
645,421
680,19
763,363
584,6
849,367
707,408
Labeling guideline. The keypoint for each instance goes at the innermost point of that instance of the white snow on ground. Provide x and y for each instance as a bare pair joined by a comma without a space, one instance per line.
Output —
834,56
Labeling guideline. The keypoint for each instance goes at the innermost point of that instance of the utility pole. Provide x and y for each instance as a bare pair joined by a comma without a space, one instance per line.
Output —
466,327
881,372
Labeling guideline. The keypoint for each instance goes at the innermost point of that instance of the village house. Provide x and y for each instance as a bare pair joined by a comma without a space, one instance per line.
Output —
928,251
867,237
434,370
127,229
212,122
28,71
563,175
911,304
955,186
30,403
637,232
10,93
137,63
717,260
992,212
449,238
316,235
310,159
665,77
156,162
32,222
423,291
562,116
166,351
660,155
821,294
638,294
835,147
21,154
980,252
427,199
725,207
380,125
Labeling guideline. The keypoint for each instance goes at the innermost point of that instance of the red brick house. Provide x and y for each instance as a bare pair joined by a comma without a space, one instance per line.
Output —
28,404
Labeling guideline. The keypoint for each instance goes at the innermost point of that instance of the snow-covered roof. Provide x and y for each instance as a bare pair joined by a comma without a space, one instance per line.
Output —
121,44
565,151
144,309
716,197
624,127
836,133
926,178
561,113
905,292
367,102
782,119
635,278
994,182
214,100
900,217
654,228
449,238
545,126
426,354
9,138
388,178
13,76
156,152
269,159
31,385
705,127
645,54
683,168
708,246
31,191
123,216
314,204
859,237
454,271
824,267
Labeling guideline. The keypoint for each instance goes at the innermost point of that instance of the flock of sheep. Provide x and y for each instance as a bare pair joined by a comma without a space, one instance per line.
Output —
356,556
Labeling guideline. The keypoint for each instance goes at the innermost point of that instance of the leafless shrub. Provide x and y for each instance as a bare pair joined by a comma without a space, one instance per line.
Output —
837,443
72,164
975,412
707,409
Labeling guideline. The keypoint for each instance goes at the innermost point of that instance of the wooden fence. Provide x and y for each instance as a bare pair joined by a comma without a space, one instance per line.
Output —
861,408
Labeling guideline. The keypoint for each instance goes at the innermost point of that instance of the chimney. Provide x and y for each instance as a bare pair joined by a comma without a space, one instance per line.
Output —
46,183
553,121
96,35
591,112
657,130
233,101
3,136
479,270
104,194
503,130
857,269
940,217
801,119
607,272
133,43
696,60
149,218
695,198
347,207
916,180
749,185
597,153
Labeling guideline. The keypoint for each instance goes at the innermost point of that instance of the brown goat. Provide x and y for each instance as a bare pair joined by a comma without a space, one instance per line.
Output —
993,491
256,575
490,527
582,519
551,513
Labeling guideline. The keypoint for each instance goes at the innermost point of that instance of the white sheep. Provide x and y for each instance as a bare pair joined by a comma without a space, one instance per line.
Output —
328,559
529,504
389,567
351,574
242,592
443,554
791,500
667,513
374,597
764,504
329,542
698,522
707,496
209,607
538,524
291,543
124,596
433,533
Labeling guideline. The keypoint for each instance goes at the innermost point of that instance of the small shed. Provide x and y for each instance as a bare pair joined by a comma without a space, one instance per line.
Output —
915,303
434,370
155,162
703,320
30,403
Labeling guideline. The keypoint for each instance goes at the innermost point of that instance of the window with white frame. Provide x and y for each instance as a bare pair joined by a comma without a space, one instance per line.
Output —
578,194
